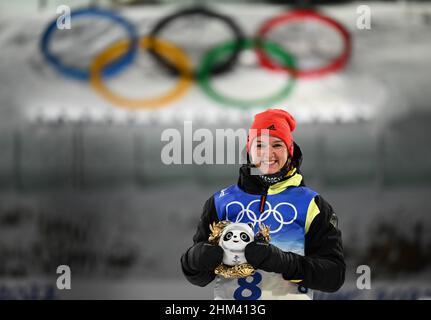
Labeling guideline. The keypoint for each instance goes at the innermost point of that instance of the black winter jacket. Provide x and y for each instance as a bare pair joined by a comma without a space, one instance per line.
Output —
321,268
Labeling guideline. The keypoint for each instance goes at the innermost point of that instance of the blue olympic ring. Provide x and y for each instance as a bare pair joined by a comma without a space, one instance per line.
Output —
112,68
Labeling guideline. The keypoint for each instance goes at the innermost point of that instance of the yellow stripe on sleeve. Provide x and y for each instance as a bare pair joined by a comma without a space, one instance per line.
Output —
312,212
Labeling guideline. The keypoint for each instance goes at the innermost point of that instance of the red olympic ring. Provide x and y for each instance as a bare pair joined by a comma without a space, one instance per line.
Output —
301,15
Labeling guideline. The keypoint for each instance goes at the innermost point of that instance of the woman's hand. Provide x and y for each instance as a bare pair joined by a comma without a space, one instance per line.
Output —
205,256
256,252
267,257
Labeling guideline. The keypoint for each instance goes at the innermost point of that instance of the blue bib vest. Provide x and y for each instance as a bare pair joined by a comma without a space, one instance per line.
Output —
285,213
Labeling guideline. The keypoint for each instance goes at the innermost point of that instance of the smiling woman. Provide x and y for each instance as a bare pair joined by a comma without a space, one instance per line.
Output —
269,157
270,143
306,250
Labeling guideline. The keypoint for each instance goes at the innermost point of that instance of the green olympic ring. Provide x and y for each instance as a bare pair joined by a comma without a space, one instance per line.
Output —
217,53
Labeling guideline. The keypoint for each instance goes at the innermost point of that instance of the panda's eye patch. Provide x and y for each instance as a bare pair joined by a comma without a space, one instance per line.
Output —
245,237
228,236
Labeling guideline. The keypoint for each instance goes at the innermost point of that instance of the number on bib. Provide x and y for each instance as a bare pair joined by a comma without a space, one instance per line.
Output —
251,286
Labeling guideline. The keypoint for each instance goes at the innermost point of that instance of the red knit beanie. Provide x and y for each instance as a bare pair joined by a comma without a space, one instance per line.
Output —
279,123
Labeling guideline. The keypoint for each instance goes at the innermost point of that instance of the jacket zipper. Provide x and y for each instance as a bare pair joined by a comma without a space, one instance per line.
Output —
263,200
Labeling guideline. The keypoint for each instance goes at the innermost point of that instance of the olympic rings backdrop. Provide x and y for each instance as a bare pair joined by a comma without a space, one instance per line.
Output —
173,60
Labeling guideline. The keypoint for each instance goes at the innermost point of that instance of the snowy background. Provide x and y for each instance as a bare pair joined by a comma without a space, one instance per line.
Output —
82,182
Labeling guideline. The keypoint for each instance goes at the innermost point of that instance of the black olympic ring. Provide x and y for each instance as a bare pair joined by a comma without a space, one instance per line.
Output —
218,68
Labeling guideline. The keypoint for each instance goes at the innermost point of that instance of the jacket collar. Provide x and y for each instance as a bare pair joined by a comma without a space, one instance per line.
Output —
294,181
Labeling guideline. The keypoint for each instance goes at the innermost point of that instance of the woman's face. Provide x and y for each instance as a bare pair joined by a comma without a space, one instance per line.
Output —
269,154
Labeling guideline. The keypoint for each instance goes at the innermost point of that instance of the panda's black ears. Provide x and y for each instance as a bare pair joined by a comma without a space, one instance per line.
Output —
250,225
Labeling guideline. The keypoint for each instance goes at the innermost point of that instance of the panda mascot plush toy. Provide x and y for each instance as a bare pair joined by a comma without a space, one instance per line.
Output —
234,238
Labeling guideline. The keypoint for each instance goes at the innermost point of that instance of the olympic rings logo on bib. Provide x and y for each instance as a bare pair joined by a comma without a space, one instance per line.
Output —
258,219
221,58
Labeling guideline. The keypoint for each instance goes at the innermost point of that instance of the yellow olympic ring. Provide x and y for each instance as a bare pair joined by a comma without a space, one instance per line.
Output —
174,54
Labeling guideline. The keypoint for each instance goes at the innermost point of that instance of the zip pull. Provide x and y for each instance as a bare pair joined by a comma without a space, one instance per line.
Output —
262,203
